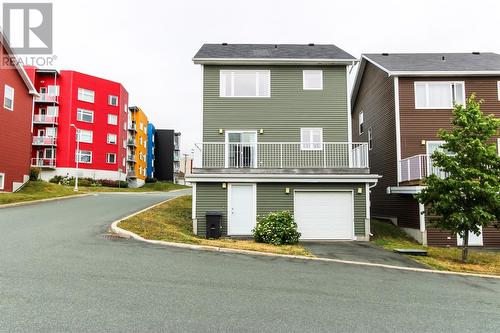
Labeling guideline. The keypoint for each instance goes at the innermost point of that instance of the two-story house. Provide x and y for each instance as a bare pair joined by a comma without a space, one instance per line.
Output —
277,136
399,103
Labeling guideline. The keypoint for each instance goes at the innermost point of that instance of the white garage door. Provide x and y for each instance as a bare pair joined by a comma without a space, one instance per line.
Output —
324,215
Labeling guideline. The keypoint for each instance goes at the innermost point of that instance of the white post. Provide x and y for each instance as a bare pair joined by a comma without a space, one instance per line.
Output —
77,155
421,218
281,156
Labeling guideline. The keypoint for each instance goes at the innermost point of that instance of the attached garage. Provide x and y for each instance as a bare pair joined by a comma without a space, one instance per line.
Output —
327,215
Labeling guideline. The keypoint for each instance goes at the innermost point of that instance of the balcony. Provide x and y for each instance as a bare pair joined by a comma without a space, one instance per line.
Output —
281,155
131,174
49,163
44,119
46,98
131,159
415,168
132,127
44,141
131,143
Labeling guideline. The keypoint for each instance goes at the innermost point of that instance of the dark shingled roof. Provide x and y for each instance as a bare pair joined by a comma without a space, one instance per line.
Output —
271,51
429,62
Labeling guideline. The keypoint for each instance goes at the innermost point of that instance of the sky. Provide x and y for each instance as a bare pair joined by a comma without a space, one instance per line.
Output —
148,45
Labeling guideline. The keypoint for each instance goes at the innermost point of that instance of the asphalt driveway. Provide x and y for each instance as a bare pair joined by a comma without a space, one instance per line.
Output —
359,251
59,274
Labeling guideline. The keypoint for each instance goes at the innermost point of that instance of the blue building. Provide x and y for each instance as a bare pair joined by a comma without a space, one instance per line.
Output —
150,159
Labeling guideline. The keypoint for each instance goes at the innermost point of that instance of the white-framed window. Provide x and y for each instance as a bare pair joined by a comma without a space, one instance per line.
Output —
112,138
8,98
245,83
125,108
498,89
439,94
53,90
112,119
311,138
140,156
140,170
312,79
370,138
53,111
141,126
140,140
498,146
123,161
361,122
83,156
85,95
86,116
84,136
125,143
113,100
111,158
49,153
2,180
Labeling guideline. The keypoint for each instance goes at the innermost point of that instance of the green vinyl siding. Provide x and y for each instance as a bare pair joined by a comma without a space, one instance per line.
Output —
272,197
210,197
283,114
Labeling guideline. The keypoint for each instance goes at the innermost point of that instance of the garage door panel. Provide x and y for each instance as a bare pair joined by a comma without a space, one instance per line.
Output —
324,215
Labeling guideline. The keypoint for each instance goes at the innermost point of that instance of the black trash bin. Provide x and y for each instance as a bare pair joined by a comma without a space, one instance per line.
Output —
214,224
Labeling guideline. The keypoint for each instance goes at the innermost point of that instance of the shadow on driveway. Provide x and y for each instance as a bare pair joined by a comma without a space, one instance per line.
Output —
359,251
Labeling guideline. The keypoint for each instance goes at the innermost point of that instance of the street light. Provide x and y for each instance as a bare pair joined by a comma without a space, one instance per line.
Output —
77,155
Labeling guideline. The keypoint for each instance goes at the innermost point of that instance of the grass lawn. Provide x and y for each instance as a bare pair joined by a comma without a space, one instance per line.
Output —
36,190
171,222
390,237
148,187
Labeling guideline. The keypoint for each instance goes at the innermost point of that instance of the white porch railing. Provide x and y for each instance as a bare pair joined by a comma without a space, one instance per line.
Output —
268,155
43,162
44,119
418,167
44,141
46,98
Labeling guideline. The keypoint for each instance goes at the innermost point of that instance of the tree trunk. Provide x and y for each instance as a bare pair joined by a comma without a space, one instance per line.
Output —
465,249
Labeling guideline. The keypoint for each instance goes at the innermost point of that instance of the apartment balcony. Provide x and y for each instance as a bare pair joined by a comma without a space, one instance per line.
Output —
415,168
131,143
281,157
131,174
44,141
132,127
44,119
131,159
48,163
46,98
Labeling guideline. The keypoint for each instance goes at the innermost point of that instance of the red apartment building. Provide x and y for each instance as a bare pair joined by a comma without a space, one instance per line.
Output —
97,108
16,96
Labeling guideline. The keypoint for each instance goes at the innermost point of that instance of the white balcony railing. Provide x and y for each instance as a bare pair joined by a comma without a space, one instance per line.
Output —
418,167
46,98
44,119
43,162
267,155
44,141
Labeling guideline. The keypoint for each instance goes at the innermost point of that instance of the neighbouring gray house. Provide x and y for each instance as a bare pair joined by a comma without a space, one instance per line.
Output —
277,136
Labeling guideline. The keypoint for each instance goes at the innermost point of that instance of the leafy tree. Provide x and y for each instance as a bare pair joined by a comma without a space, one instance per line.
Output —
469,197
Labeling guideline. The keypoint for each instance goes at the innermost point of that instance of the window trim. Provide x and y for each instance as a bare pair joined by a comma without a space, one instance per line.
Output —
311,144
232,71
107,158
79,136
370,138
109,142
452,87
110,97
84,110
361,115
304,79
498,89
83,91
114,115
498,146
8,88
2,182
78,154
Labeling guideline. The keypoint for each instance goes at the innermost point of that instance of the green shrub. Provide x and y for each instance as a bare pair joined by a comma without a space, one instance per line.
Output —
151,180
34,173
277,228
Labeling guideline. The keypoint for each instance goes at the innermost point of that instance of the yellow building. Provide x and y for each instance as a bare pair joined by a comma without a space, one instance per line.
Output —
137,146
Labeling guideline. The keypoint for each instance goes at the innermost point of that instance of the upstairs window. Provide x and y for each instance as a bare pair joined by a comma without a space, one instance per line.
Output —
53,90
438,94
245,83
112,138
86,116
312,79
112,119
8,98
83,156
311,138
111,158
85,95
113,100
361,122
498,89
84,136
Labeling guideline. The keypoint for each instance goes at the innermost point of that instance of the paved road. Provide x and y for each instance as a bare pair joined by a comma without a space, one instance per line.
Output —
58,274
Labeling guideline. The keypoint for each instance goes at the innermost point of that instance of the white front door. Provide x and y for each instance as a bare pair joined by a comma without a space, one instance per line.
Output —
474,240
241,209
324,214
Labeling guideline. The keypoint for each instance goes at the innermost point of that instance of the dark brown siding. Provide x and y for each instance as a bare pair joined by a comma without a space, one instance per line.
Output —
376,100
418,125
438,237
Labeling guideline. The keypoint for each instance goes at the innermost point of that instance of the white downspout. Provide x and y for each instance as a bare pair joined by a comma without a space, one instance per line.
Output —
421,218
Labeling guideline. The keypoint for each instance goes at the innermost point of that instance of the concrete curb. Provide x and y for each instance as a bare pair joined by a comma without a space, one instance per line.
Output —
128,234
33,202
